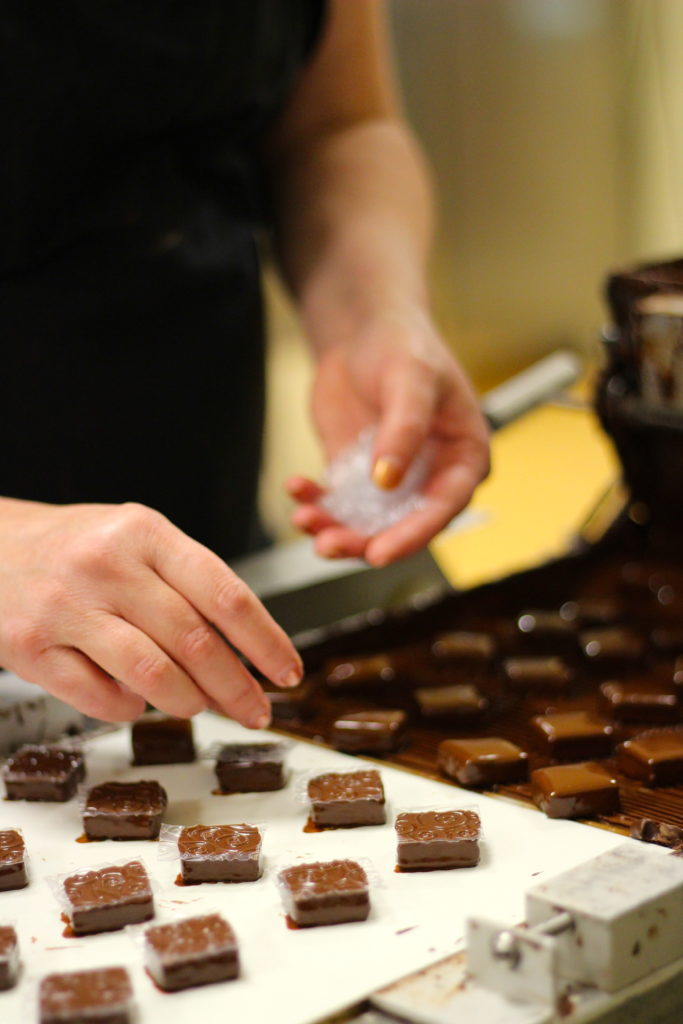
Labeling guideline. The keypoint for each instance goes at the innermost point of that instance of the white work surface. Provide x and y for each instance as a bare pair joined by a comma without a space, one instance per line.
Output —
287,977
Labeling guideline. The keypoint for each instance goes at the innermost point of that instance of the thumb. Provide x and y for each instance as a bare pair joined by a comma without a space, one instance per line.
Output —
404,426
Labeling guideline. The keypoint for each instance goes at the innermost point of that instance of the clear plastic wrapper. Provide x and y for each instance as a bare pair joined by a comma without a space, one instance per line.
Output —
122,810
325,892
250,767
47,772
214,853
432,838
14,859
104,897
343,799
352,498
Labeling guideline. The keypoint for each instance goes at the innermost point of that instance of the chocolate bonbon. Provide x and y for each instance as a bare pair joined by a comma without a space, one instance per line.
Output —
463,650
636,701
582,790
427,840
250,767
107,898
100,996
220,853
461,702
369,732
346,799
486,761
12,860
9,957
325,892
614,646
537,673
572,735
124,810
40,772
656,758
195,951
360,673
159,739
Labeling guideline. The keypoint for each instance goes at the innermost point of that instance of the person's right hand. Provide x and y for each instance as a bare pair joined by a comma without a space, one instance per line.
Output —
109,606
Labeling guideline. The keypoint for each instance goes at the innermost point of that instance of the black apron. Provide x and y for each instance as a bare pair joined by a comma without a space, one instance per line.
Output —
131,328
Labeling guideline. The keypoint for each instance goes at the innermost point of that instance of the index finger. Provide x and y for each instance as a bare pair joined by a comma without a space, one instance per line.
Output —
226,601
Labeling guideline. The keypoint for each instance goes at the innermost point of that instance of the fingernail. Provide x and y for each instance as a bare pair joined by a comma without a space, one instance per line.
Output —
292,676
387,472
261,721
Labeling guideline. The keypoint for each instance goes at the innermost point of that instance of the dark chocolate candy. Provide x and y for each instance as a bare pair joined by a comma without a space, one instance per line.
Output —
291,703
105,899
100,996
12,860
250,767
160,739
9,957
633,701
331,892
489,761
462,702
660,832
195,951
655,757
347,799
463,650
372,732
667,639
582,790
572,735
592,611
613,646
220,853
38,772
437,839
546,631
377,670
546,673
124,810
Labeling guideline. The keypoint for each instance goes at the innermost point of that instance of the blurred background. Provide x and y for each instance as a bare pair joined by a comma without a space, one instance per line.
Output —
555,133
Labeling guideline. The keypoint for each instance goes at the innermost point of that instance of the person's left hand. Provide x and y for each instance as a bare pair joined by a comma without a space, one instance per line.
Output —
398,376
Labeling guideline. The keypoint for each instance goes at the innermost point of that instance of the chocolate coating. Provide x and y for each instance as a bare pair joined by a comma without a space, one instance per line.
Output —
592,611
639,702
160,739
451,703
103,995
292,703
124,810
331,892
347,799
547,631
575,790
463,650
437,839
195,951
660,832
489,761
360,673
547,673
109,898
250,767
572,735
372,732
220,853
667,639
9,957
12,860
613,646
38,772
656,758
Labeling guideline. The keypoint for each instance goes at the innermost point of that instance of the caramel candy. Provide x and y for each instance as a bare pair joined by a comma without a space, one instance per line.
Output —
100,996
370,732
537,673
9,957
220,853
437,839
195,951
483,762
331,892
634,702
616,645
124,810
251,767
582,790
105,899
463,650
573,735
12,860
460,702
655,758
377,670
160,739
347,799
37,772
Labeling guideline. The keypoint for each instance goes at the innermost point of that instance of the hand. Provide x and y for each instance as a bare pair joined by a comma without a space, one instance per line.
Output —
399,376
109,606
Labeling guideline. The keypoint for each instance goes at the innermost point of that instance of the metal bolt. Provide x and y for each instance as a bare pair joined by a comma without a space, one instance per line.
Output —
506,947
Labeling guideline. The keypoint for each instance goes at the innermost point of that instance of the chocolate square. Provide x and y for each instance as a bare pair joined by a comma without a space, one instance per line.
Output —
106,899
220,853
635,701
159,739
292,703
12,860
350,673
124,810
9,957
592,611
462,650
347,799
582,790
195,951
546,631
100,996
655,758
39,772
331,892
489,761
250,767
539,673
667,639
370,732
428,840
460,703
572,735
614,646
